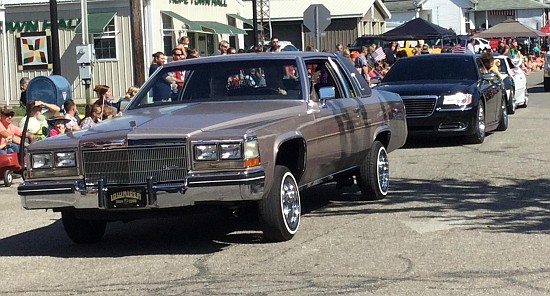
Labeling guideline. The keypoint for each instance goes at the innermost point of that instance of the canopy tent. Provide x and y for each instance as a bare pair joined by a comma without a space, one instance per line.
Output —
510,28
418,29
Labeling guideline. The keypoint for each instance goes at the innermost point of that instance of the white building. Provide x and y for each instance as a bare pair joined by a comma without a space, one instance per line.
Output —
206,22
468,16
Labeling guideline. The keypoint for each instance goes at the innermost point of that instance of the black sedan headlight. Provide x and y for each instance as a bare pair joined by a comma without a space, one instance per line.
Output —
460,100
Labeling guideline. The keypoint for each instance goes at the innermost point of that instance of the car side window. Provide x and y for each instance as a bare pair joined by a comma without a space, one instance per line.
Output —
322,74
345,77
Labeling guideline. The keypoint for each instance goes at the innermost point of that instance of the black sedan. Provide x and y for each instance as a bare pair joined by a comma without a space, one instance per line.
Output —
448,95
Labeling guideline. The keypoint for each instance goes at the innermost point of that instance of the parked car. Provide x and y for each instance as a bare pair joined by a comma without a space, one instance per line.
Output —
368,40
448,95
246,129
515,83
480,44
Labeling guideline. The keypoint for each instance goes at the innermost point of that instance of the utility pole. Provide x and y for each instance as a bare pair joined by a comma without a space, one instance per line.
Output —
137,42
55,38
255,21
85,65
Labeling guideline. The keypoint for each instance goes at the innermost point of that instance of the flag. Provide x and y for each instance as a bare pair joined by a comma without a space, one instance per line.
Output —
379,54
459,49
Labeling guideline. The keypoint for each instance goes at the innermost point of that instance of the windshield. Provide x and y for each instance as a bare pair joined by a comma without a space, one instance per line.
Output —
223,81
436,67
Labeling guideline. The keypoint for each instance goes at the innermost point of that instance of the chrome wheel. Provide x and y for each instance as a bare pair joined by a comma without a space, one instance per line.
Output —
383,171
280,210
374,173
290,203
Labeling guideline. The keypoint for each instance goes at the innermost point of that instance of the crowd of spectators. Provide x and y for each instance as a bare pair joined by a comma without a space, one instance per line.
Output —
372,62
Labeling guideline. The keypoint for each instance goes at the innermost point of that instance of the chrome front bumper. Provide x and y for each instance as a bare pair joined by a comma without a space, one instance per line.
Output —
227,186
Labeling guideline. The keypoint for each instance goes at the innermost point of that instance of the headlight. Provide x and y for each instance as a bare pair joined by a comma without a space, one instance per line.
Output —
251,154
230,151
459,99
65,159
41,161
58,160
206,152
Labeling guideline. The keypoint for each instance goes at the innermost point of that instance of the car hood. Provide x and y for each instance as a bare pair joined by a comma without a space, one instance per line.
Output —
419,88
179,121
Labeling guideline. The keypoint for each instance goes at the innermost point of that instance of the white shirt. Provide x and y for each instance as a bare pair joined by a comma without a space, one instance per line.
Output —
470,49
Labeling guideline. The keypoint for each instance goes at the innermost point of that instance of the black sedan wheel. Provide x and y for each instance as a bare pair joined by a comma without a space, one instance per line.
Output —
479,135
374,178
546,84
512,102
503,124
82,231
280,210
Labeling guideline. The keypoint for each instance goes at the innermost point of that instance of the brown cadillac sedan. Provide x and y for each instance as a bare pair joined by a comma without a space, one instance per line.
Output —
240,130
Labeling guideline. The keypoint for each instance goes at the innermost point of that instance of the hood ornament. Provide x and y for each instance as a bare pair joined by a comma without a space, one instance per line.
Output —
133,124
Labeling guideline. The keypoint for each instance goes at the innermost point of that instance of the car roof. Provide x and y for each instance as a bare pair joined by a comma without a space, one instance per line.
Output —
440,56
251,57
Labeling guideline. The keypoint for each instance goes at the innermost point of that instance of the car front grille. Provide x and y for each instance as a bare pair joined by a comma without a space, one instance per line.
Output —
419,106
133,165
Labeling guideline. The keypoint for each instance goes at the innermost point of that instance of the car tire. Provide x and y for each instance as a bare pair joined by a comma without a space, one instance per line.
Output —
280,210
547,84
82,231
512,102
8,178
374,175
504,120
479,133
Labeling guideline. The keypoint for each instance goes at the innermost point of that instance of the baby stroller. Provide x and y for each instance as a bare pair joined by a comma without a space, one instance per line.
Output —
9,164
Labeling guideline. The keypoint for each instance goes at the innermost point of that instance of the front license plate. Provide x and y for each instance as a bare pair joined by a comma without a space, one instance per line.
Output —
127,198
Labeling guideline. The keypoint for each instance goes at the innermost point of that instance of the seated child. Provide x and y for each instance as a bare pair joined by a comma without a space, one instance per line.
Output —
58,122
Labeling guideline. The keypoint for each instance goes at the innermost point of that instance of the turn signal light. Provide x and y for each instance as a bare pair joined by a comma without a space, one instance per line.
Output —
251,162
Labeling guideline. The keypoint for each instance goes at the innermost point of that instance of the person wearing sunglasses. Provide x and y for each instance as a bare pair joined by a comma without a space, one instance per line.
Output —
10,134
223,46
274,45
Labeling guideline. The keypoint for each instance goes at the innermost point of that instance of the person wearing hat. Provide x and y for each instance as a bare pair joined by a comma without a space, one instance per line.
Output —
10,134
38,113
58,122
425,49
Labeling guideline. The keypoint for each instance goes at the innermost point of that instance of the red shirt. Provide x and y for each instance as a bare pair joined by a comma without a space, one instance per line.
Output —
12,130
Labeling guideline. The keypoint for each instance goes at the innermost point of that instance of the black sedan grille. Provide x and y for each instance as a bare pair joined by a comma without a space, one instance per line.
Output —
419,106
133,165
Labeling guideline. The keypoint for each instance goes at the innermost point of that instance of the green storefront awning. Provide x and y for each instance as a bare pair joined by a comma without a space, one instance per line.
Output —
191,25
97,22
219,28
244,20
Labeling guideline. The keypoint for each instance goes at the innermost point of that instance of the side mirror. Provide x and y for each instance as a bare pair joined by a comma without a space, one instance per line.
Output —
490,76
327,93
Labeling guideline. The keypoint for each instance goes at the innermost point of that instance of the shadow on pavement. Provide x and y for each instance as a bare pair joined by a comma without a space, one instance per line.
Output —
520,207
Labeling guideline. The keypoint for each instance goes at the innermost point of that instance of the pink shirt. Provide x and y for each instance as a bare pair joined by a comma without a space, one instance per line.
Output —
53,132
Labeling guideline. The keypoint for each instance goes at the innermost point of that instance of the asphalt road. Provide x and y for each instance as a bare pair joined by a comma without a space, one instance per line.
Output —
461,220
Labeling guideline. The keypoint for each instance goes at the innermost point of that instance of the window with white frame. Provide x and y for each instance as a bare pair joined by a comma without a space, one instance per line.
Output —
105,43
168,37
